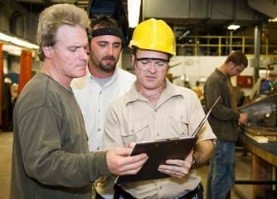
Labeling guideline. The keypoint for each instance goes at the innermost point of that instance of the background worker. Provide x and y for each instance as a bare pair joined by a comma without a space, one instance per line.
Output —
50,157
103,82
151,111
224,120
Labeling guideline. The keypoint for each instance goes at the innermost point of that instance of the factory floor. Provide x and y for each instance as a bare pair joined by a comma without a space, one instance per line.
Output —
243,170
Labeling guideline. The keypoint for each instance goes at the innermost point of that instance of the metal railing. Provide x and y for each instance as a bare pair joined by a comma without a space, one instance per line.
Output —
223,45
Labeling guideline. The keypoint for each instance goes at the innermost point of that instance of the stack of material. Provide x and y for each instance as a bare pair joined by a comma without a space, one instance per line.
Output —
262,134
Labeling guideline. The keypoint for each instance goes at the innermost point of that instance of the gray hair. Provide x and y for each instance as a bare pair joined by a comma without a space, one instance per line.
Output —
54,17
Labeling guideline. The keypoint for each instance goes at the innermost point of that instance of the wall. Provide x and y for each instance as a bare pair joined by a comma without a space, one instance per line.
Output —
195,68
16,20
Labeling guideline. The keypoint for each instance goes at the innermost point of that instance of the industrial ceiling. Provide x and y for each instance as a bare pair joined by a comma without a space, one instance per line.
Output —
186,17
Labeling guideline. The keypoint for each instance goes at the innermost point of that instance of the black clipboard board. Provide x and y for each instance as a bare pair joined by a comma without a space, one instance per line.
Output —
160,151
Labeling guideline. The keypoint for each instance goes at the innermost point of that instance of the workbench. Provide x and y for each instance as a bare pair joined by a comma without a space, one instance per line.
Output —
263,168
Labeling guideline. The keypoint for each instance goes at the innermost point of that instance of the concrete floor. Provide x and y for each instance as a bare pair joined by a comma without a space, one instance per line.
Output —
5,163
243,170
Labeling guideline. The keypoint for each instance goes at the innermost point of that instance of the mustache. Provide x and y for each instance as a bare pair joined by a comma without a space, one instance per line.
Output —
111,58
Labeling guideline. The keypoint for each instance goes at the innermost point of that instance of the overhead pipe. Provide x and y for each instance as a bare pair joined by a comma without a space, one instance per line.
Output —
257,44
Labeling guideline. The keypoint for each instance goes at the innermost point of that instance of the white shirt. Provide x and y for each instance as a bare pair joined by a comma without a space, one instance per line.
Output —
94,100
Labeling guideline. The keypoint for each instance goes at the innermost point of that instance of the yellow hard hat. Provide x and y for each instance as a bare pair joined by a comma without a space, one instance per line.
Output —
154,34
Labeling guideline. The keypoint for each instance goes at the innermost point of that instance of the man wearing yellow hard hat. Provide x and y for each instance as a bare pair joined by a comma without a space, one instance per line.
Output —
155,109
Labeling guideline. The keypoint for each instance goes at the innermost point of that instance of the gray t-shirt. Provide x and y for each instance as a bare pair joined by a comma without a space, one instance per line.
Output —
50,151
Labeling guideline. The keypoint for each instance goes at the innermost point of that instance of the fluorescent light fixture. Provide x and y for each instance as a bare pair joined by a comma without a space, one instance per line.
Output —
18,42
233,27
273,19
15,50
12,49
133,12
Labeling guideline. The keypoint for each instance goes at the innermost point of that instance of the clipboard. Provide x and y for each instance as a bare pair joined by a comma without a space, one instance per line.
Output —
160,151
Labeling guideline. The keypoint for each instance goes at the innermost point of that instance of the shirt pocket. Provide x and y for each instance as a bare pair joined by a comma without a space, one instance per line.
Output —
136,132
179,126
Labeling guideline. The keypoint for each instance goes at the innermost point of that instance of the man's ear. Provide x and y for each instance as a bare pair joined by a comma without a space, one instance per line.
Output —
48,51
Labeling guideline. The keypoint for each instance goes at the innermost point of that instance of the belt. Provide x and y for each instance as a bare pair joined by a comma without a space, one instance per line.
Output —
121,193
196,193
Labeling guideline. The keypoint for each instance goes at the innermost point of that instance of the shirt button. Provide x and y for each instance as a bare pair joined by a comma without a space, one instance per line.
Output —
160,187
100,92
98,129
98,148
98,110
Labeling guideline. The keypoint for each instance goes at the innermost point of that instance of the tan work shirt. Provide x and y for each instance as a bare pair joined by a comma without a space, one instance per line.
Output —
133,119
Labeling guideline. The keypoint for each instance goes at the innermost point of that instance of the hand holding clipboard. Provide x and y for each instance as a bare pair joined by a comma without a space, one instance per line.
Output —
160,151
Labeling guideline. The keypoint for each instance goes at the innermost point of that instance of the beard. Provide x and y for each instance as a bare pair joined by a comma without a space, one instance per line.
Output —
110,67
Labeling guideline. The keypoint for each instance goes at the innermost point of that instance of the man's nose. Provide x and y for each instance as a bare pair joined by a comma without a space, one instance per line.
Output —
110,50
152,67
84,53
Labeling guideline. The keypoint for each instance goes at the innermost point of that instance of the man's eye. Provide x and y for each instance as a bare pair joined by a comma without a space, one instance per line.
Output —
117,46
160,63
73,48
144,61
102,44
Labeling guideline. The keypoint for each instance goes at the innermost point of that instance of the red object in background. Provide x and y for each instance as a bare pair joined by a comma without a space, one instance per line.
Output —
25,72
245,81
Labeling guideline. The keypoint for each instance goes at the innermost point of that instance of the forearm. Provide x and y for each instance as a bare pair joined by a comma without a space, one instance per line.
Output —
202,153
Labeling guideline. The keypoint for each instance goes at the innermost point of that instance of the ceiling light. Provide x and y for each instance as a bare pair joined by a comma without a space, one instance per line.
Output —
17,41
273,19
12,49
233,27
133,12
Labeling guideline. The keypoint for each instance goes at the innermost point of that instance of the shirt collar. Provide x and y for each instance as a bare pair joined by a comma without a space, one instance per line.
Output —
221,74
113,77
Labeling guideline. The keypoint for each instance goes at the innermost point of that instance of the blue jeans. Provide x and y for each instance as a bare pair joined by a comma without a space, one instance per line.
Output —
221,177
